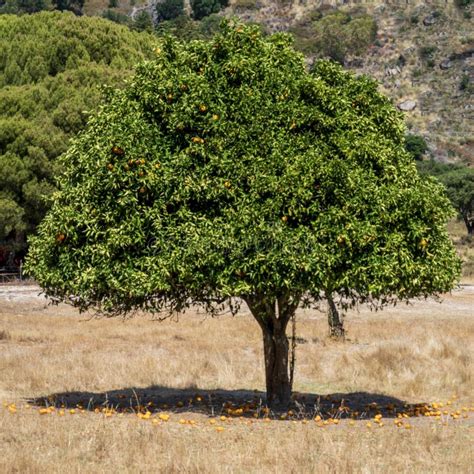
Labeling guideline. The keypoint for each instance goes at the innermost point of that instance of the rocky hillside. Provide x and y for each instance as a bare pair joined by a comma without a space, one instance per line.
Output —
424,59
422,54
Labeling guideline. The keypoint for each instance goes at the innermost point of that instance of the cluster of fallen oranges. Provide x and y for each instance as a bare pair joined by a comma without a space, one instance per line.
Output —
373,415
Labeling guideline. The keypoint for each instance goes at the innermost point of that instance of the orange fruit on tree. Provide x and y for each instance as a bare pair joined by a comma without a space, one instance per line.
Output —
116,150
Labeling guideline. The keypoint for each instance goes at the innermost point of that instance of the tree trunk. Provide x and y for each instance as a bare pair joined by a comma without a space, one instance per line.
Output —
336,324
469,224
273,315
275,346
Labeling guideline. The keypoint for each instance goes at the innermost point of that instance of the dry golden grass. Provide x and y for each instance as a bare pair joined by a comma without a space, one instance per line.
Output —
420,354
465,248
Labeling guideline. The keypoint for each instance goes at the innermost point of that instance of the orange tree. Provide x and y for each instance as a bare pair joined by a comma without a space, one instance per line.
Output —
226,172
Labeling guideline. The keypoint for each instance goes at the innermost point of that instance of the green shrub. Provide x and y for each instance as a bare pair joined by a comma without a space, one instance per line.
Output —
335,35
427,52
465,84
116,17
416,146
143,22
169,9
203,8
24,6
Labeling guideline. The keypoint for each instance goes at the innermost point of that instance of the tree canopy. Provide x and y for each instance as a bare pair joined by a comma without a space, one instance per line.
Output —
203,8
459,182
225,169
169,9
51,70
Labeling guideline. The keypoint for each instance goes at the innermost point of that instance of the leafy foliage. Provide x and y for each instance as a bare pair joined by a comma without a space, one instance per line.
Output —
226,169
35,6
186,29
49,43
117,17
51,68
24,6
143,22
459,182
466,84
203,8
74,6
335,35
416,146
169,9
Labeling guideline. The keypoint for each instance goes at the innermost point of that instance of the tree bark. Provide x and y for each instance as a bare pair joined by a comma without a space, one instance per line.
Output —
273,317
275,346
469,224
335,321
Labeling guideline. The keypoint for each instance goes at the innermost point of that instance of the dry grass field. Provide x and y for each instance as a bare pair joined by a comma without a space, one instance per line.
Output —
465,248
106,395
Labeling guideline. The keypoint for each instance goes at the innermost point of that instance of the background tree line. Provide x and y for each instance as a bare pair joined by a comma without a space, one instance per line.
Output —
51,67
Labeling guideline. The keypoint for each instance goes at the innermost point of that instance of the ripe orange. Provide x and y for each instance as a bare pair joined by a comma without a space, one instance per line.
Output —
116,150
